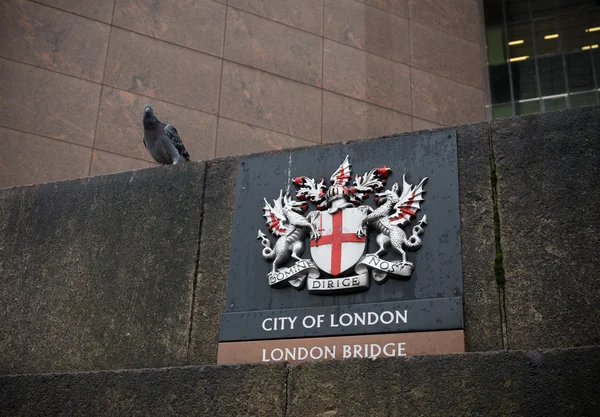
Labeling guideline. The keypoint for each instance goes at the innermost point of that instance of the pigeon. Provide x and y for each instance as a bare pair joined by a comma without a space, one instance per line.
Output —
162,141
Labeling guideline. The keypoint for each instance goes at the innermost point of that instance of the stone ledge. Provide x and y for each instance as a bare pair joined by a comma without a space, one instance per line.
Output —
243,390
536,383
532,383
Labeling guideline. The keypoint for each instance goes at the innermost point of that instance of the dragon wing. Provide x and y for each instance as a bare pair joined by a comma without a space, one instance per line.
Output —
410,202
276,220
343,173
310,190
372,181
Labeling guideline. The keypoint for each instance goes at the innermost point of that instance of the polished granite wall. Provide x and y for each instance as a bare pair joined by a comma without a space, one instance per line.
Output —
247,76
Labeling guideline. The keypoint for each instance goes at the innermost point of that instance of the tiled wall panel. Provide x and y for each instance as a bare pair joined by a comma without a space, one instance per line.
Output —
233,76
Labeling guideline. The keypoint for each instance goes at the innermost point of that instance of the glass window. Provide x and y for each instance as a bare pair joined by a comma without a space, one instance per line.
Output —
528,107
543,55
517,10
543,8
573,6
500,83
583,99
493,11
502,110
596,64
576,38
553,104
552,75
520,41
547,37
579,71
496,45
524,79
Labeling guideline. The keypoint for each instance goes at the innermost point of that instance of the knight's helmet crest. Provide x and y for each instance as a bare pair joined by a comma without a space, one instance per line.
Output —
339,194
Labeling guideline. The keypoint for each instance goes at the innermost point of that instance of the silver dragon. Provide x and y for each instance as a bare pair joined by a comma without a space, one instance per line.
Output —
395,210
284,220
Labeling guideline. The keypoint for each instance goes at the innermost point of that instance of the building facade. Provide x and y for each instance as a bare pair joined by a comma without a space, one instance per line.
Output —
542,55
234,77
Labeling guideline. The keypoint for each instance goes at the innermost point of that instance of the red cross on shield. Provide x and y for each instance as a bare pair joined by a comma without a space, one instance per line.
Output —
338,249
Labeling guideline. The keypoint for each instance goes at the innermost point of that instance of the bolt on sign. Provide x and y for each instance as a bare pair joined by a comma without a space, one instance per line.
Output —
346,251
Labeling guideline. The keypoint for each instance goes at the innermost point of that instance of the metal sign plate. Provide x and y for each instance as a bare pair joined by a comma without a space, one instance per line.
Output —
323,265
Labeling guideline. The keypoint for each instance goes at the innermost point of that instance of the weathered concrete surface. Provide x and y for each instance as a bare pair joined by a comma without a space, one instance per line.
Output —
249,390
213,265
548,168
97,273
483,329
539,383
559,382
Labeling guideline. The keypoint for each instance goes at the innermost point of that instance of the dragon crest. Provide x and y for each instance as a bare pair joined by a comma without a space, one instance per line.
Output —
340,208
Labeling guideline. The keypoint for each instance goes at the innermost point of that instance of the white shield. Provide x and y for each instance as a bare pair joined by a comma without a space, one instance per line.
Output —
338,249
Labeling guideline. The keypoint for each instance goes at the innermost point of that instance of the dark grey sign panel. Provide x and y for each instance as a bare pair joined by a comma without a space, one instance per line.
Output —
390,317
437,264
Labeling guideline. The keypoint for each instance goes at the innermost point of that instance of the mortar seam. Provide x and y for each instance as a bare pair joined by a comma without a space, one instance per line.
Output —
110,28
197,264
499,272
216,147
287,377
322,70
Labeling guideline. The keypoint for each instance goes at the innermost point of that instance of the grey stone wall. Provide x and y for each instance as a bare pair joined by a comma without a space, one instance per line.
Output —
98,273
130,270
548,169
561,382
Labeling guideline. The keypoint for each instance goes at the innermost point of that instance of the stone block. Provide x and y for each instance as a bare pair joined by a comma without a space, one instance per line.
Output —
460,18
444,101
97,273
52,39
548,195
213,261
399,7
302,14
367,28
147,66
46,103
546,383
108,163
271,102
420,124
236,138
250,390
453,58
198,24
366,77
483,329
274,47
30,159
98,10
347,119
